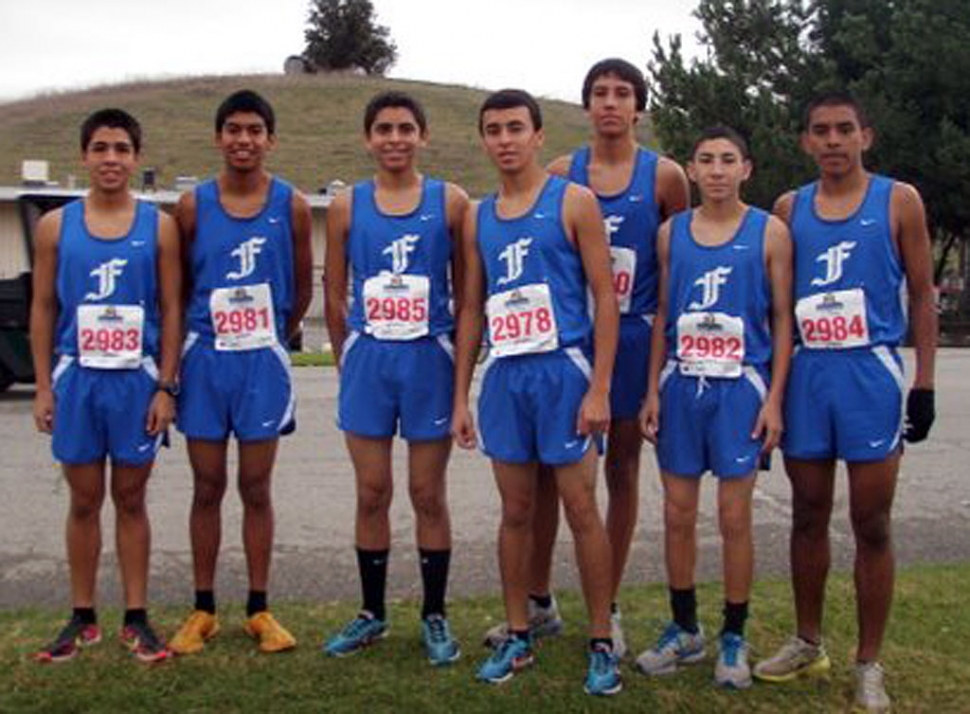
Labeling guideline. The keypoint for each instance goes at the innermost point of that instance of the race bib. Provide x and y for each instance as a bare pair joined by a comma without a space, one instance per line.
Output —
522,321
110,336
624,263
242,317
396,306
833,321
710,344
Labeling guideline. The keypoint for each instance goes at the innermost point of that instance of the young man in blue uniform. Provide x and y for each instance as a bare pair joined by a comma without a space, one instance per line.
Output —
246,252
862,249
107,306
531,253
719,359
637,190
396,234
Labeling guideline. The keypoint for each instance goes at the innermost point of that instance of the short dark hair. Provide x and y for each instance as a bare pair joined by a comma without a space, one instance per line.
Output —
621,69
510,99
112,119
838,98
722,131
395,100
246,101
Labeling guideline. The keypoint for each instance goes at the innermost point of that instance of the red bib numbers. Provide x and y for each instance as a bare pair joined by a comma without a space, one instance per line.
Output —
624,263
833,320
522,321
710,344
396,306
242,317
110,336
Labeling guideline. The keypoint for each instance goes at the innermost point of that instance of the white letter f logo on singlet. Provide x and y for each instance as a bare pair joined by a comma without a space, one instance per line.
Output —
833,258
711,283
106,274
514,257
399,251
246,252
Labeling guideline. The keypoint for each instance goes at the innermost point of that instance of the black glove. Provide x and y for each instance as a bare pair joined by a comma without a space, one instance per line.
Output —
920,413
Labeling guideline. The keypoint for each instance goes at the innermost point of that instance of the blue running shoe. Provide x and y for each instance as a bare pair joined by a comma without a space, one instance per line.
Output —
512,655
441,647
363,630
732,670
603,675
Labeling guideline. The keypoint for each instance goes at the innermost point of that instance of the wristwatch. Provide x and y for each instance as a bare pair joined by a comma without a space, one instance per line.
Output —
172,389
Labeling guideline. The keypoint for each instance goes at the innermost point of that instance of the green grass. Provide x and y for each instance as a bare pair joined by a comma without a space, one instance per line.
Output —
311,359
318,124
927,657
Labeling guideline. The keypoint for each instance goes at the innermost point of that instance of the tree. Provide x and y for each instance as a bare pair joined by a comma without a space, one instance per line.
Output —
344,34
907,60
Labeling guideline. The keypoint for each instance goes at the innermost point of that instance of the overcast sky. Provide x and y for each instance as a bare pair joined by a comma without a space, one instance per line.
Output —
544,46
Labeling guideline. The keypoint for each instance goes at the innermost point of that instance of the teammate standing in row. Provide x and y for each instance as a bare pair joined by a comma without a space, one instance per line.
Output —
106,304
247,259
397,236
719,360
531,252
862,251
637,190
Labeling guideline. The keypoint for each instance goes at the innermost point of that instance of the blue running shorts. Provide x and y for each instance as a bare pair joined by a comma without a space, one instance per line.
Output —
386,385
248,393
706,423
103,412
529,404
629,384
844,404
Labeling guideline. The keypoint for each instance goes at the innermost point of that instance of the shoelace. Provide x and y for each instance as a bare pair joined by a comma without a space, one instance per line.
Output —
146,636
670,639
357,627
730,647
506,650
872,682
437,630
600,661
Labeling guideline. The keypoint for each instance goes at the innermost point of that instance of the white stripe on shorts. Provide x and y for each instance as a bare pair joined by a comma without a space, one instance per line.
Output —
148,364
348,343
885,356
579,359
665,373
284,359
190,340
62,364
754,377
446,346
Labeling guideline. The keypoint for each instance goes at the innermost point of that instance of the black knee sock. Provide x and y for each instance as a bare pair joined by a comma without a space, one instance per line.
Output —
205,600
372,565
735,615
86,615
684,606
256,602
136,616
434,576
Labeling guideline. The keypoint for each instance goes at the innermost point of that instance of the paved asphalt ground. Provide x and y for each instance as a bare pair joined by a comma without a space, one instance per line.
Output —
314,497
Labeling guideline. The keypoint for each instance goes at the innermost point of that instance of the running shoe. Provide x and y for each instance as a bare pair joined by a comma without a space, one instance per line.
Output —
272,636
543,622
143,643
363,630
732,669
603,675
441,647
72,637
870,689
508,658
199,628
675,646
796,658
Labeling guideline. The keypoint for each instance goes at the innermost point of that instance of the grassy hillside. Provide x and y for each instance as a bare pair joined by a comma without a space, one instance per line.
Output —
319,127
